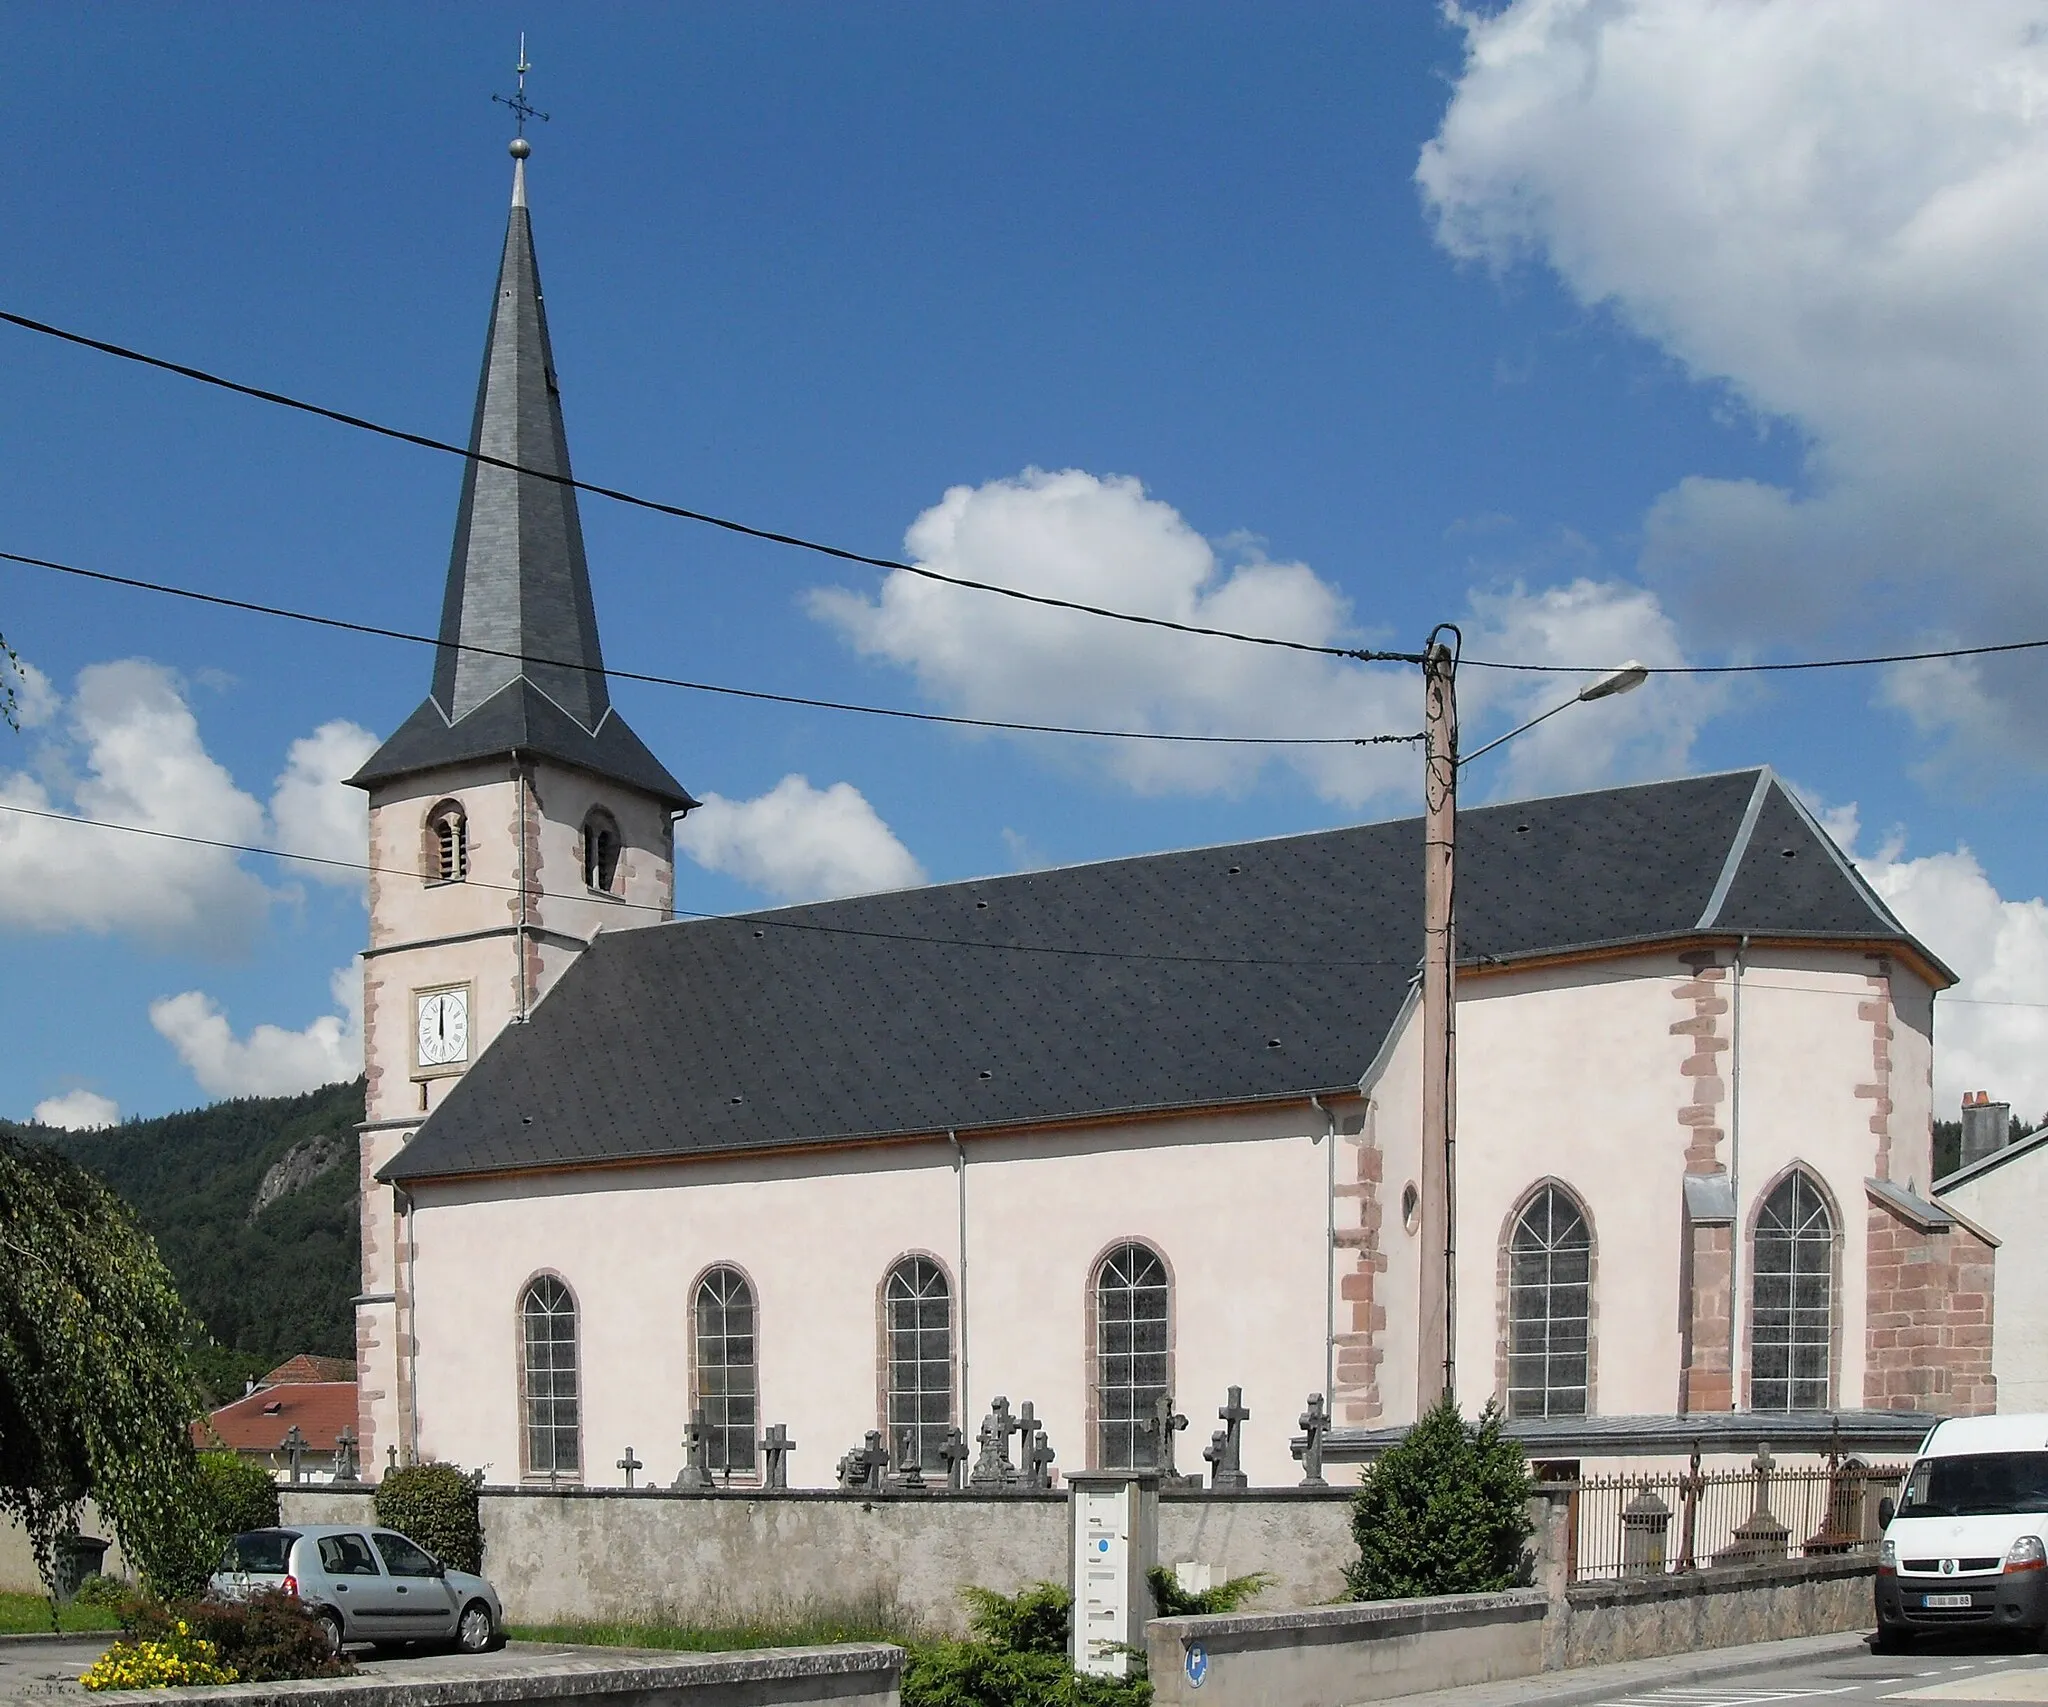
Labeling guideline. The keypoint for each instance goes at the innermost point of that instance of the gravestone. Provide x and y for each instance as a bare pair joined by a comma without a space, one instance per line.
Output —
954,1453
695,1475
345,1456
1760,1538
1164,1423
294,1446
909,1471
1315,1424
1038,1459
776,1446
874,1463
1225,1445
1645,1532
629,1464
993,1469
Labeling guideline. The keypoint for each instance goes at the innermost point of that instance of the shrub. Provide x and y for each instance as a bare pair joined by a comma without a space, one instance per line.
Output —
1444,1512
435,1505
1173,1601
1018,1658
239,1495
177,1656
268,1638
105,1592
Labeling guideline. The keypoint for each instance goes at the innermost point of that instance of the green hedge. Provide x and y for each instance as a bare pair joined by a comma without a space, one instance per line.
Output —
239,1495
435,1505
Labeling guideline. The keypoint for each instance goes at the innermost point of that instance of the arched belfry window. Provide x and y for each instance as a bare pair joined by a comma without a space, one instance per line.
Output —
917,1328
601,845
554,1424
727,1381
1550,1297
1133,1341
447,849
1792,1285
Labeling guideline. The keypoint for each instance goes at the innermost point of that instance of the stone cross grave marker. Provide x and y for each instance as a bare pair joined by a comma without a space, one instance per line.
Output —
1164,1423
293,1446
994,1468
1038,1457
909,1471
695,1475
345,1456
874,1459
1027,1437
1314,1423
1225,1445
629,1464
954,1452
776,1446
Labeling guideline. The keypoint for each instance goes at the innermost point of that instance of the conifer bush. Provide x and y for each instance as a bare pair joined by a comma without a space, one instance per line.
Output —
1444,1512
435,1505
1017,1657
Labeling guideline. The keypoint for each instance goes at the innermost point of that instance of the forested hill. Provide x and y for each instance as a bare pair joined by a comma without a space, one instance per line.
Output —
253,1205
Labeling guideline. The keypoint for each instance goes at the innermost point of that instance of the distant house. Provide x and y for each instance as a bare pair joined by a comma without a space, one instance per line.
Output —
2002,1187
315,1395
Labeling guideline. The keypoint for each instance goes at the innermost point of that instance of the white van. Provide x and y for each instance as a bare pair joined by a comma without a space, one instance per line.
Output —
1967,1547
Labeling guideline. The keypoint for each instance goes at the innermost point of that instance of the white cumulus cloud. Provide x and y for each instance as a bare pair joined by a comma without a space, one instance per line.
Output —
78,1110
311,810
799,843
1837,210
270,1061
1104,540
125,748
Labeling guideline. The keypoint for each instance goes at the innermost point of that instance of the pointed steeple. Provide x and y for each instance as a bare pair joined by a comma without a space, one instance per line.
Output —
519,666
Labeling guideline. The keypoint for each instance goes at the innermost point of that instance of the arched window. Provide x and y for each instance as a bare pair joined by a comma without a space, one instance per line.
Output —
1550,1292
1792,1284
447,849
1131,1346
601,846
727,1389
917,1315
553,1421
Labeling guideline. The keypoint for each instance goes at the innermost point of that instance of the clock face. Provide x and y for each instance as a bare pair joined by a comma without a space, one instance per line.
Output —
444,1027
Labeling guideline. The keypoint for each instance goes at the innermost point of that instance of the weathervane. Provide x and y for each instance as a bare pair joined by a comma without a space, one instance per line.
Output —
522,108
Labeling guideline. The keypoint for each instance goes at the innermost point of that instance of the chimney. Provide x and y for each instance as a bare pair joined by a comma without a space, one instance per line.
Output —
1986,1126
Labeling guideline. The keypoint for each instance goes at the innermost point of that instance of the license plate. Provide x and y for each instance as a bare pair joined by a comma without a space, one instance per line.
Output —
1945,1602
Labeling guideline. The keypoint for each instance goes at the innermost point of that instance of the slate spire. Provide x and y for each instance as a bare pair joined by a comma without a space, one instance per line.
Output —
519,668
518,581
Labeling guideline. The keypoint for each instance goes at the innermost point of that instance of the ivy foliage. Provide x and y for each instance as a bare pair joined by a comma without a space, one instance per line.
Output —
1444,1512
95,1395
435,1505
1016,1658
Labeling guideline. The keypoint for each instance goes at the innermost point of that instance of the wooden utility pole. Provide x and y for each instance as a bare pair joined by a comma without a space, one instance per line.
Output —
1437,1355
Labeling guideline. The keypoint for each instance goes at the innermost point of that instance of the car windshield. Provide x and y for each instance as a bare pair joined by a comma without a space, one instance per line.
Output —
261,1552
1977,1484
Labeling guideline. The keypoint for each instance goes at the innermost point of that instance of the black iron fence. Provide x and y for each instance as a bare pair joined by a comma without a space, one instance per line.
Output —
1643,1525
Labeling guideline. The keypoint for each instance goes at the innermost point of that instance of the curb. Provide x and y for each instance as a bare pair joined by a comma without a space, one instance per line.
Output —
1583,1686
67,1637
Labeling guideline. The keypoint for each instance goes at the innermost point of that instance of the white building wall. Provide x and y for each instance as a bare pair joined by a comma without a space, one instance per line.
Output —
2010,1202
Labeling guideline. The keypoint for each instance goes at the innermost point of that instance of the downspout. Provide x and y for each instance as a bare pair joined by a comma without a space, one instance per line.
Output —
1735,1310
960,1176
1329,1255
412,1334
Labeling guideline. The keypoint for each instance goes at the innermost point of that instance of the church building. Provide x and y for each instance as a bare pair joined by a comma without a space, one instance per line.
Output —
1114,1138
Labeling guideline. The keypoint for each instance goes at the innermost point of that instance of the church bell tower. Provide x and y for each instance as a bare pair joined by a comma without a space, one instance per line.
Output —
512,816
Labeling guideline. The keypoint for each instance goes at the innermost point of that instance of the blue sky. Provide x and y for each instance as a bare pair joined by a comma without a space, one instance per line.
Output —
1603,332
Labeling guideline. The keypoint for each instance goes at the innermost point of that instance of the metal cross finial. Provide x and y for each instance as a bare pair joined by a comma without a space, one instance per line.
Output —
522,108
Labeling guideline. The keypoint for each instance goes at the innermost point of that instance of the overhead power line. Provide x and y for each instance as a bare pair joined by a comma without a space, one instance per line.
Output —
346,626
762,921
846,555
682,512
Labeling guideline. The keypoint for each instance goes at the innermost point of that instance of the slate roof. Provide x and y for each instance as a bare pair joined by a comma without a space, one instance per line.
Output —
1209,977
518,582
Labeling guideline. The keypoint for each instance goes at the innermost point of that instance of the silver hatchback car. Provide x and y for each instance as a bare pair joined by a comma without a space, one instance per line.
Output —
365,1585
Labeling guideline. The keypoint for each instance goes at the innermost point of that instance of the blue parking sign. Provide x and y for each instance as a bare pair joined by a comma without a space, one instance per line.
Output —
1195,1662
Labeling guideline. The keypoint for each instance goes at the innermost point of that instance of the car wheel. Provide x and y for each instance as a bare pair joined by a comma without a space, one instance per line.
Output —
474,1632
1891,1639
330,1621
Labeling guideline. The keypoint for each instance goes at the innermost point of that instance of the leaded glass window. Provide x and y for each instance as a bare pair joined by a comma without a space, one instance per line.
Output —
1550,1274
554,1445
1131,1314
918,1307
727,1384
1791,1330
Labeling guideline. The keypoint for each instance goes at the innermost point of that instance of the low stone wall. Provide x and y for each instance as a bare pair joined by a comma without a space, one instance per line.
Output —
1337,1655
608,1554
856,1675
1645,1618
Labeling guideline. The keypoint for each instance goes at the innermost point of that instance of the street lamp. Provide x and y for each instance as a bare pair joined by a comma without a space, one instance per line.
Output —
1437,1360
